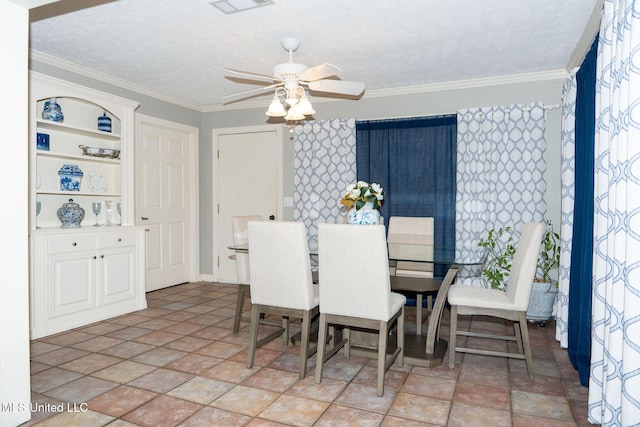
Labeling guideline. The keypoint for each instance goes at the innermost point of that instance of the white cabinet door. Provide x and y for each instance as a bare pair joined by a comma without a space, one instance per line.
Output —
116,251
73,282
116,275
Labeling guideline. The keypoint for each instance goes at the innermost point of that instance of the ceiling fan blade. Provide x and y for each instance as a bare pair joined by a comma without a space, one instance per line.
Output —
318,72
252,90
337,86
247,73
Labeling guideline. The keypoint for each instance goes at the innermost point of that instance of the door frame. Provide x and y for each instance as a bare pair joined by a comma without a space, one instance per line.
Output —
216,133
193,186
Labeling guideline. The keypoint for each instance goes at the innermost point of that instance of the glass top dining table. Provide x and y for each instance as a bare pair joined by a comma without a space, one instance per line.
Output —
462,256
420,349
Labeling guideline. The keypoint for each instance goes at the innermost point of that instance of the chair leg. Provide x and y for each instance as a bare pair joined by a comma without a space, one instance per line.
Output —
419,298
524,331
453,326
332,336
304,343
383,334
400,338
322,346
253,336
516,330
346,334
242,289
285,335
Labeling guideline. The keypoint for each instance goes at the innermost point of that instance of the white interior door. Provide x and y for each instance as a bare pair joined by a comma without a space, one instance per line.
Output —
165,197
249,183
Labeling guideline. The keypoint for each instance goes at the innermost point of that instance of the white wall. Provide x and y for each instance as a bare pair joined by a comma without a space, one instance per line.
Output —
14,268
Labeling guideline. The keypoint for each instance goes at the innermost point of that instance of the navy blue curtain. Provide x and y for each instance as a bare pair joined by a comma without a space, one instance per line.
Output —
414,160
580,282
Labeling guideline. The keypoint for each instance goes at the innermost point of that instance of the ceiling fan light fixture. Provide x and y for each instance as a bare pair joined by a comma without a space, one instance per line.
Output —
291,101
276,109
291,104
305,106
294,114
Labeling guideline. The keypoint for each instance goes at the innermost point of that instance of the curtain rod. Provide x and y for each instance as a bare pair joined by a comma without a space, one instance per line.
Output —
545,107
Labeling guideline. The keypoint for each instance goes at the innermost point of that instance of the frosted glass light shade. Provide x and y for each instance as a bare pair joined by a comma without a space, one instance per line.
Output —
294,114
305,106
276,109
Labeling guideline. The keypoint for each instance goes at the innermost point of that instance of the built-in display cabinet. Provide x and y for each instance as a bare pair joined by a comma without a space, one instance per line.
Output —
84,274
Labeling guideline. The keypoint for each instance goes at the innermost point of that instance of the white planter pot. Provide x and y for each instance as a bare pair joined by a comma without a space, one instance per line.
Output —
541,301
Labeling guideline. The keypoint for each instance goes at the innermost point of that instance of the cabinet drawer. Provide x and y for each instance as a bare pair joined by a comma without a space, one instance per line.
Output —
79,242
116,239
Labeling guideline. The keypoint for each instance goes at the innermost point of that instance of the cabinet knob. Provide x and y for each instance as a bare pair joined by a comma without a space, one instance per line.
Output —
74,244
101,256
119,239
94,257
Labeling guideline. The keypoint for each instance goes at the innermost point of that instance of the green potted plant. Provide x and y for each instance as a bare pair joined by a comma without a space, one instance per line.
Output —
501,246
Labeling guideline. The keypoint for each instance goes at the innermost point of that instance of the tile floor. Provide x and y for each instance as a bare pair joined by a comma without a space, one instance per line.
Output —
178,363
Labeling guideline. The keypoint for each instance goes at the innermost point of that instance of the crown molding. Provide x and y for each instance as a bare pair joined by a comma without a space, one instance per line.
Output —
374,93
35,55
560,74
469,84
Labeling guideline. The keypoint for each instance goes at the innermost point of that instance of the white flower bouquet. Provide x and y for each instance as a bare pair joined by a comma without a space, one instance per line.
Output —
360,193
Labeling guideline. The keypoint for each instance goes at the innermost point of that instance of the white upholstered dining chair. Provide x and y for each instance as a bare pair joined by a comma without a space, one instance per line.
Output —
281,282
412,238
355,291
510,304
240,237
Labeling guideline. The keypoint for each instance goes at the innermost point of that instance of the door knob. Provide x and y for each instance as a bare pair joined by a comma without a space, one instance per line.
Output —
272,217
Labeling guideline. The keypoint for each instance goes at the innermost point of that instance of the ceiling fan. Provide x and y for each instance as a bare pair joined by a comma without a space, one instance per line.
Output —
290,80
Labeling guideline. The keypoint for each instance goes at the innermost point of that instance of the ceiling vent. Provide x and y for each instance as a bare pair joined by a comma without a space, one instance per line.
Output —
233,6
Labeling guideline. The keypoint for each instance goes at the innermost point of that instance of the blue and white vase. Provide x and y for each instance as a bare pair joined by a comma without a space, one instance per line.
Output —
104,122
70,177
70,214
52,111
365,215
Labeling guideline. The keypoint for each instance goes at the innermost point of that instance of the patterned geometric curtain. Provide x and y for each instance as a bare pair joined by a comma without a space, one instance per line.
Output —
614,382
324,164
568,140
500,171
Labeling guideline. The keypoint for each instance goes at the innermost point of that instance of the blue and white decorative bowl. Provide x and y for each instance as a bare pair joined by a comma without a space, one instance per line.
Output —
52,111
70,214
70,177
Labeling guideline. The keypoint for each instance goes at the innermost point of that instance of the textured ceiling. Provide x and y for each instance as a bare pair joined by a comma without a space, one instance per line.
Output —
179,48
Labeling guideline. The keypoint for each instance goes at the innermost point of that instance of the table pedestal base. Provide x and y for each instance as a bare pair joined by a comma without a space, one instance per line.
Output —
414,353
